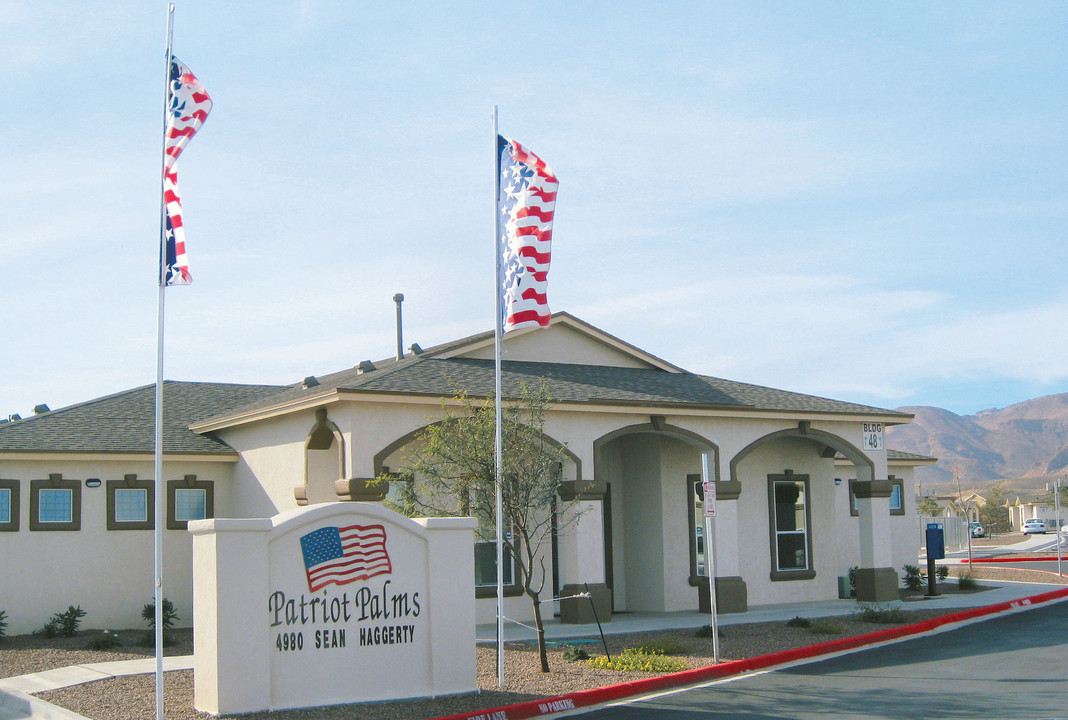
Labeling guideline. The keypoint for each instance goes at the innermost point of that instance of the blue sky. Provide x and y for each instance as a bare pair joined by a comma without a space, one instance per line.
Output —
866,201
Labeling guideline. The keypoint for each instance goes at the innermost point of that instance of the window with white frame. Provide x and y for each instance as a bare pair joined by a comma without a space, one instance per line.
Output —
790,520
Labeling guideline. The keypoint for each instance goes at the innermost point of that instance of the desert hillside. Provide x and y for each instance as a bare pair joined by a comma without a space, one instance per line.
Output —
1023,445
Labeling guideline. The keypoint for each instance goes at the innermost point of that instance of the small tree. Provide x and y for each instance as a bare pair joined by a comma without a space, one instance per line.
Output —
994,515
928,507
452,471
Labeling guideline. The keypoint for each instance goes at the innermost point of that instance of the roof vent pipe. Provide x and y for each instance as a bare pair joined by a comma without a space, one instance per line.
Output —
399,298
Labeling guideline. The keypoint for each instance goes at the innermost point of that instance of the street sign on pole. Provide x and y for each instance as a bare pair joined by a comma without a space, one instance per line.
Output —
710,556
710,498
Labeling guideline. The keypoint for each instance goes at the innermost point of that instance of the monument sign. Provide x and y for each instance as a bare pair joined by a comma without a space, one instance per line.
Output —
330,604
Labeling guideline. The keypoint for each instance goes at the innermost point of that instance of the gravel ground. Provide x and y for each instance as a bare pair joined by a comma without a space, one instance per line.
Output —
130,698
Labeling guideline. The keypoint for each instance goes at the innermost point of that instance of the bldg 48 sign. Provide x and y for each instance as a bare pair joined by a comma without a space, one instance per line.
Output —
873,436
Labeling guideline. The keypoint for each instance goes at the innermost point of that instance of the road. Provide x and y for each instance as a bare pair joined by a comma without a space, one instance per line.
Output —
1013,666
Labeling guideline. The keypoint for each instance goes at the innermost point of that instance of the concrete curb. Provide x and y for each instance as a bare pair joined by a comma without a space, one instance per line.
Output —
611,693
15,705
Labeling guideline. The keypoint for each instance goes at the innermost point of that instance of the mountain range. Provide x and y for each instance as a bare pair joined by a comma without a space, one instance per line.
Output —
1022,446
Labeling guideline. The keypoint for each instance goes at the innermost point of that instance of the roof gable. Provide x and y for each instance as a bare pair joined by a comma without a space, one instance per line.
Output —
567,340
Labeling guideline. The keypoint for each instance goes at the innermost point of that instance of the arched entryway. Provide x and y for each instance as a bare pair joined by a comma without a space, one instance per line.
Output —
648,470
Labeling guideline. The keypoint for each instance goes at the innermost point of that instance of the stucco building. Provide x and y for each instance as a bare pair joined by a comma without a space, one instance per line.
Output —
805,488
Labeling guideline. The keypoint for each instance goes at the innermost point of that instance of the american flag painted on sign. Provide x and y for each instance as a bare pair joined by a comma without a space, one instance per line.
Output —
526,200
341,555
187,107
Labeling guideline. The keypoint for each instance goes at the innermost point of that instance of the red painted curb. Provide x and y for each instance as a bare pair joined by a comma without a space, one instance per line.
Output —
610,693
1043,558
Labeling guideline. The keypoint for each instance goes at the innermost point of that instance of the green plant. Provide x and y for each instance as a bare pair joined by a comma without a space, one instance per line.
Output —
148,614
705,631
965,581
799,622
667,646
632,659
942,572
825,627
64,624
3,624
105,641
853,581
912,579
881,614
69,620
574,654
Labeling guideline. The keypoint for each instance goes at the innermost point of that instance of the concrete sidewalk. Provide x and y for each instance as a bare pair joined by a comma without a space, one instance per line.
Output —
16,702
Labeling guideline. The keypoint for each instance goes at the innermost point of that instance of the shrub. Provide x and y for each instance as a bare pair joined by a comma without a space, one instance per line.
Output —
824,627
69,620
705,631
799,622
912,579
632,659
853,581
148,614
105,641
574,654
3,624
882,614
942,572
64,624
966,582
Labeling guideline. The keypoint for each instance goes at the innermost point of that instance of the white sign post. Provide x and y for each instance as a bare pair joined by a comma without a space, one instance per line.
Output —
710,556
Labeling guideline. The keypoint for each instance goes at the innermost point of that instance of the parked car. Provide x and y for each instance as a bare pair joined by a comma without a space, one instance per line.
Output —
977,530
1032,526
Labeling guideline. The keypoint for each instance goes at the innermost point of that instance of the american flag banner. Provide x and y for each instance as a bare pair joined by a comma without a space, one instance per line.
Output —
187,108
341,555
526,200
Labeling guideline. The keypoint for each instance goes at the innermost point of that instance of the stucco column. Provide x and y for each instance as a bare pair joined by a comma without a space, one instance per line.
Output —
581,553
731,592
876,577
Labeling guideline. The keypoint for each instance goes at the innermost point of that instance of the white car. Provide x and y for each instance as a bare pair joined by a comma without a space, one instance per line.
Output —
1034,525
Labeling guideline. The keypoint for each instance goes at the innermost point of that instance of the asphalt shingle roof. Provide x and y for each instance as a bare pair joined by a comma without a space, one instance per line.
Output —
568,383
125,422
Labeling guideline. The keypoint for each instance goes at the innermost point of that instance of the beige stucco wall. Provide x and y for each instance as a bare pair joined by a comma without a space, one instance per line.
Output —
647,471
108,573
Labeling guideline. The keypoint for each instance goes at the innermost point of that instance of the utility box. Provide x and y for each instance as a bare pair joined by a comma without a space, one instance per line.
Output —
936,541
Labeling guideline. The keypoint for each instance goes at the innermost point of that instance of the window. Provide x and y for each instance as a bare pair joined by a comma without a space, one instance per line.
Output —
131,504
486,564
896,494
55,504
697,529
790,517
897,504
9,505
189,499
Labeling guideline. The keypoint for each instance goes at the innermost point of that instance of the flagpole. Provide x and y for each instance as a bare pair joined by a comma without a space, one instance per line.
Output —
160,488
497,333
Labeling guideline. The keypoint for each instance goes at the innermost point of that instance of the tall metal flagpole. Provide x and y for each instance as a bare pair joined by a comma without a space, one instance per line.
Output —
497,333
160,489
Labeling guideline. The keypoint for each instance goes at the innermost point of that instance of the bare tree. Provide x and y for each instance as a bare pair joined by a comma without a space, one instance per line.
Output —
451,470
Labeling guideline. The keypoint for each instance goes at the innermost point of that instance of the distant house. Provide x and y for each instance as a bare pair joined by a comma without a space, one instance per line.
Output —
966,506
806,489
1024,507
